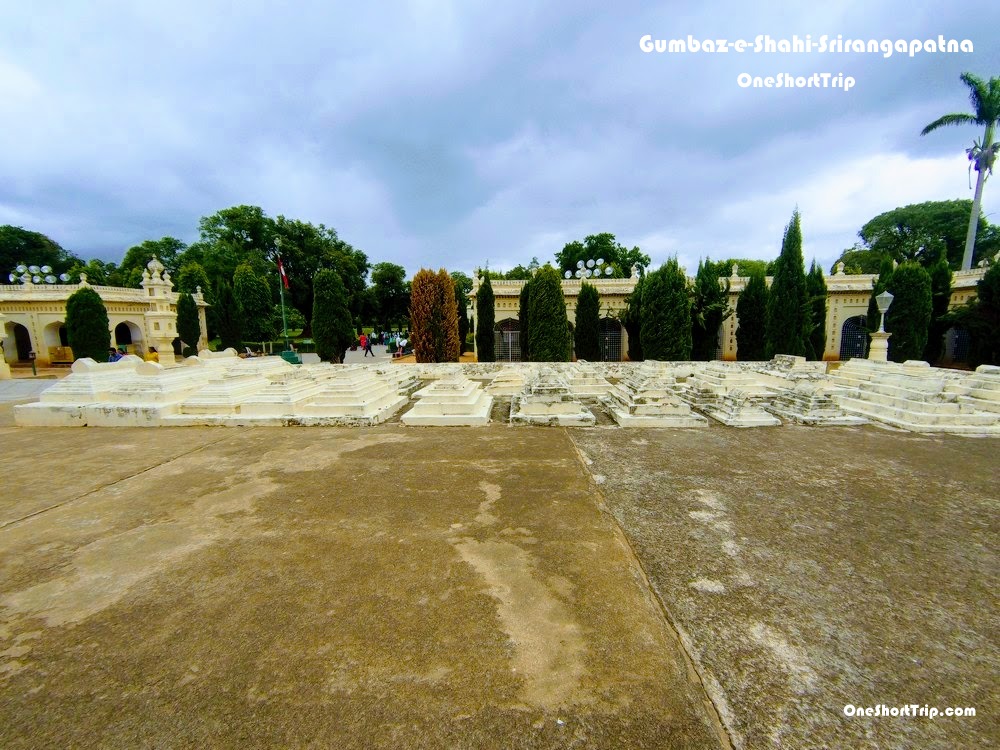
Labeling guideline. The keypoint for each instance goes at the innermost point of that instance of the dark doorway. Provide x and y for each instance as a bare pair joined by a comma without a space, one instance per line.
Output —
610,334
853,338
123,335
22,339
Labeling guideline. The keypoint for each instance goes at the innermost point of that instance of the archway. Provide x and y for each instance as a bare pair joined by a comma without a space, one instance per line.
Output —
956,346
853,338
22,341
507,340
609,332
57,343
128,335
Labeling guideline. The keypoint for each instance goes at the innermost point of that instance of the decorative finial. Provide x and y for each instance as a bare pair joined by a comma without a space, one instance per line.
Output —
840,268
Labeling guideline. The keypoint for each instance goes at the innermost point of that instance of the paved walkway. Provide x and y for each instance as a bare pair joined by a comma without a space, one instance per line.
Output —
23,389
341,588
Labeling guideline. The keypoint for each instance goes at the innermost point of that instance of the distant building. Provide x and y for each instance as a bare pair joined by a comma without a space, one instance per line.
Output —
847,306
34,318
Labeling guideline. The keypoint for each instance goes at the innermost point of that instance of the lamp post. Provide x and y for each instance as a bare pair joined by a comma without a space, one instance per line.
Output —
879,350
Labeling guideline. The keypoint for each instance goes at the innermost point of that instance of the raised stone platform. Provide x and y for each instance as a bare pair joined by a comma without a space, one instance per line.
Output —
549,401
650,401
223,389
454,401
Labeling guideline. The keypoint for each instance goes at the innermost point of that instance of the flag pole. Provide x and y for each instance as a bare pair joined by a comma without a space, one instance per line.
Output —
281,291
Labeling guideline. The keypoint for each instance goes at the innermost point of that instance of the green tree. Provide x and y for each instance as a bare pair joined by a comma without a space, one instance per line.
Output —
524,323
751,316
226,316
985,100
631,320
940,299
434,317
746,267
305,249
294,320
709,308
588,319
665,327
604,247
87,325
390,294
19,245
909,316
816,294
332,327
188,325
190,277
98,273
547,312
167,250
788,312
485,320
253,301
463,285
980,316
859,260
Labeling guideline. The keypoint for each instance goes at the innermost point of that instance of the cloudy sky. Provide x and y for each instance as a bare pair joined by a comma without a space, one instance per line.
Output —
455,134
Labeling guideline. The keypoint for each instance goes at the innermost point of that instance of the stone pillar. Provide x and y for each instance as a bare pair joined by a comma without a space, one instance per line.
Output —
161,320
879,349
4,367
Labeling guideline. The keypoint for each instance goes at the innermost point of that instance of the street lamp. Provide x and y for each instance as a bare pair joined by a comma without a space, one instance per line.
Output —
883,301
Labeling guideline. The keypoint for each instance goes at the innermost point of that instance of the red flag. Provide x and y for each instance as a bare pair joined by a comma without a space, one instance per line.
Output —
281,270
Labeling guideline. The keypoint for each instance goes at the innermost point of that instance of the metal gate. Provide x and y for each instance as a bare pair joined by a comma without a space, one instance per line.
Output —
507,341
853,338
610,334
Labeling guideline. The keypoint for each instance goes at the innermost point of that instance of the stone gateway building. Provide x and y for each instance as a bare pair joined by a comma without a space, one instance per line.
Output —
34,318
847,306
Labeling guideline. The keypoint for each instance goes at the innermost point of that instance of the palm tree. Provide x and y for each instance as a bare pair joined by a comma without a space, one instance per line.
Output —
985,100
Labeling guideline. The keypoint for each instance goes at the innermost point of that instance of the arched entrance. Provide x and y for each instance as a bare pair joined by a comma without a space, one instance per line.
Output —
956,346
22,341
507,340
57,343
128,335
853,338
609,333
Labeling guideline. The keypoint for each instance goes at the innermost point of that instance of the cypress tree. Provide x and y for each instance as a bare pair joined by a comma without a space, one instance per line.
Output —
940,298
226,317
253,301
816,293
981,317
332,328
449,347
87,327
461,308
751,316
523,321
188,325
485,320
632,320
909,316
788,311
665,327
708,309
588,320
433,317
548,336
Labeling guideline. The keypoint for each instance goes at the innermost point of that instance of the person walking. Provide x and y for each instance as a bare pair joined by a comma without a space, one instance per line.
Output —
368,347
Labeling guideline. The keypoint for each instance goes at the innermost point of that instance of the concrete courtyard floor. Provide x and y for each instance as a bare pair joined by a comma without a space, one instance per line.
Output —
494,587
